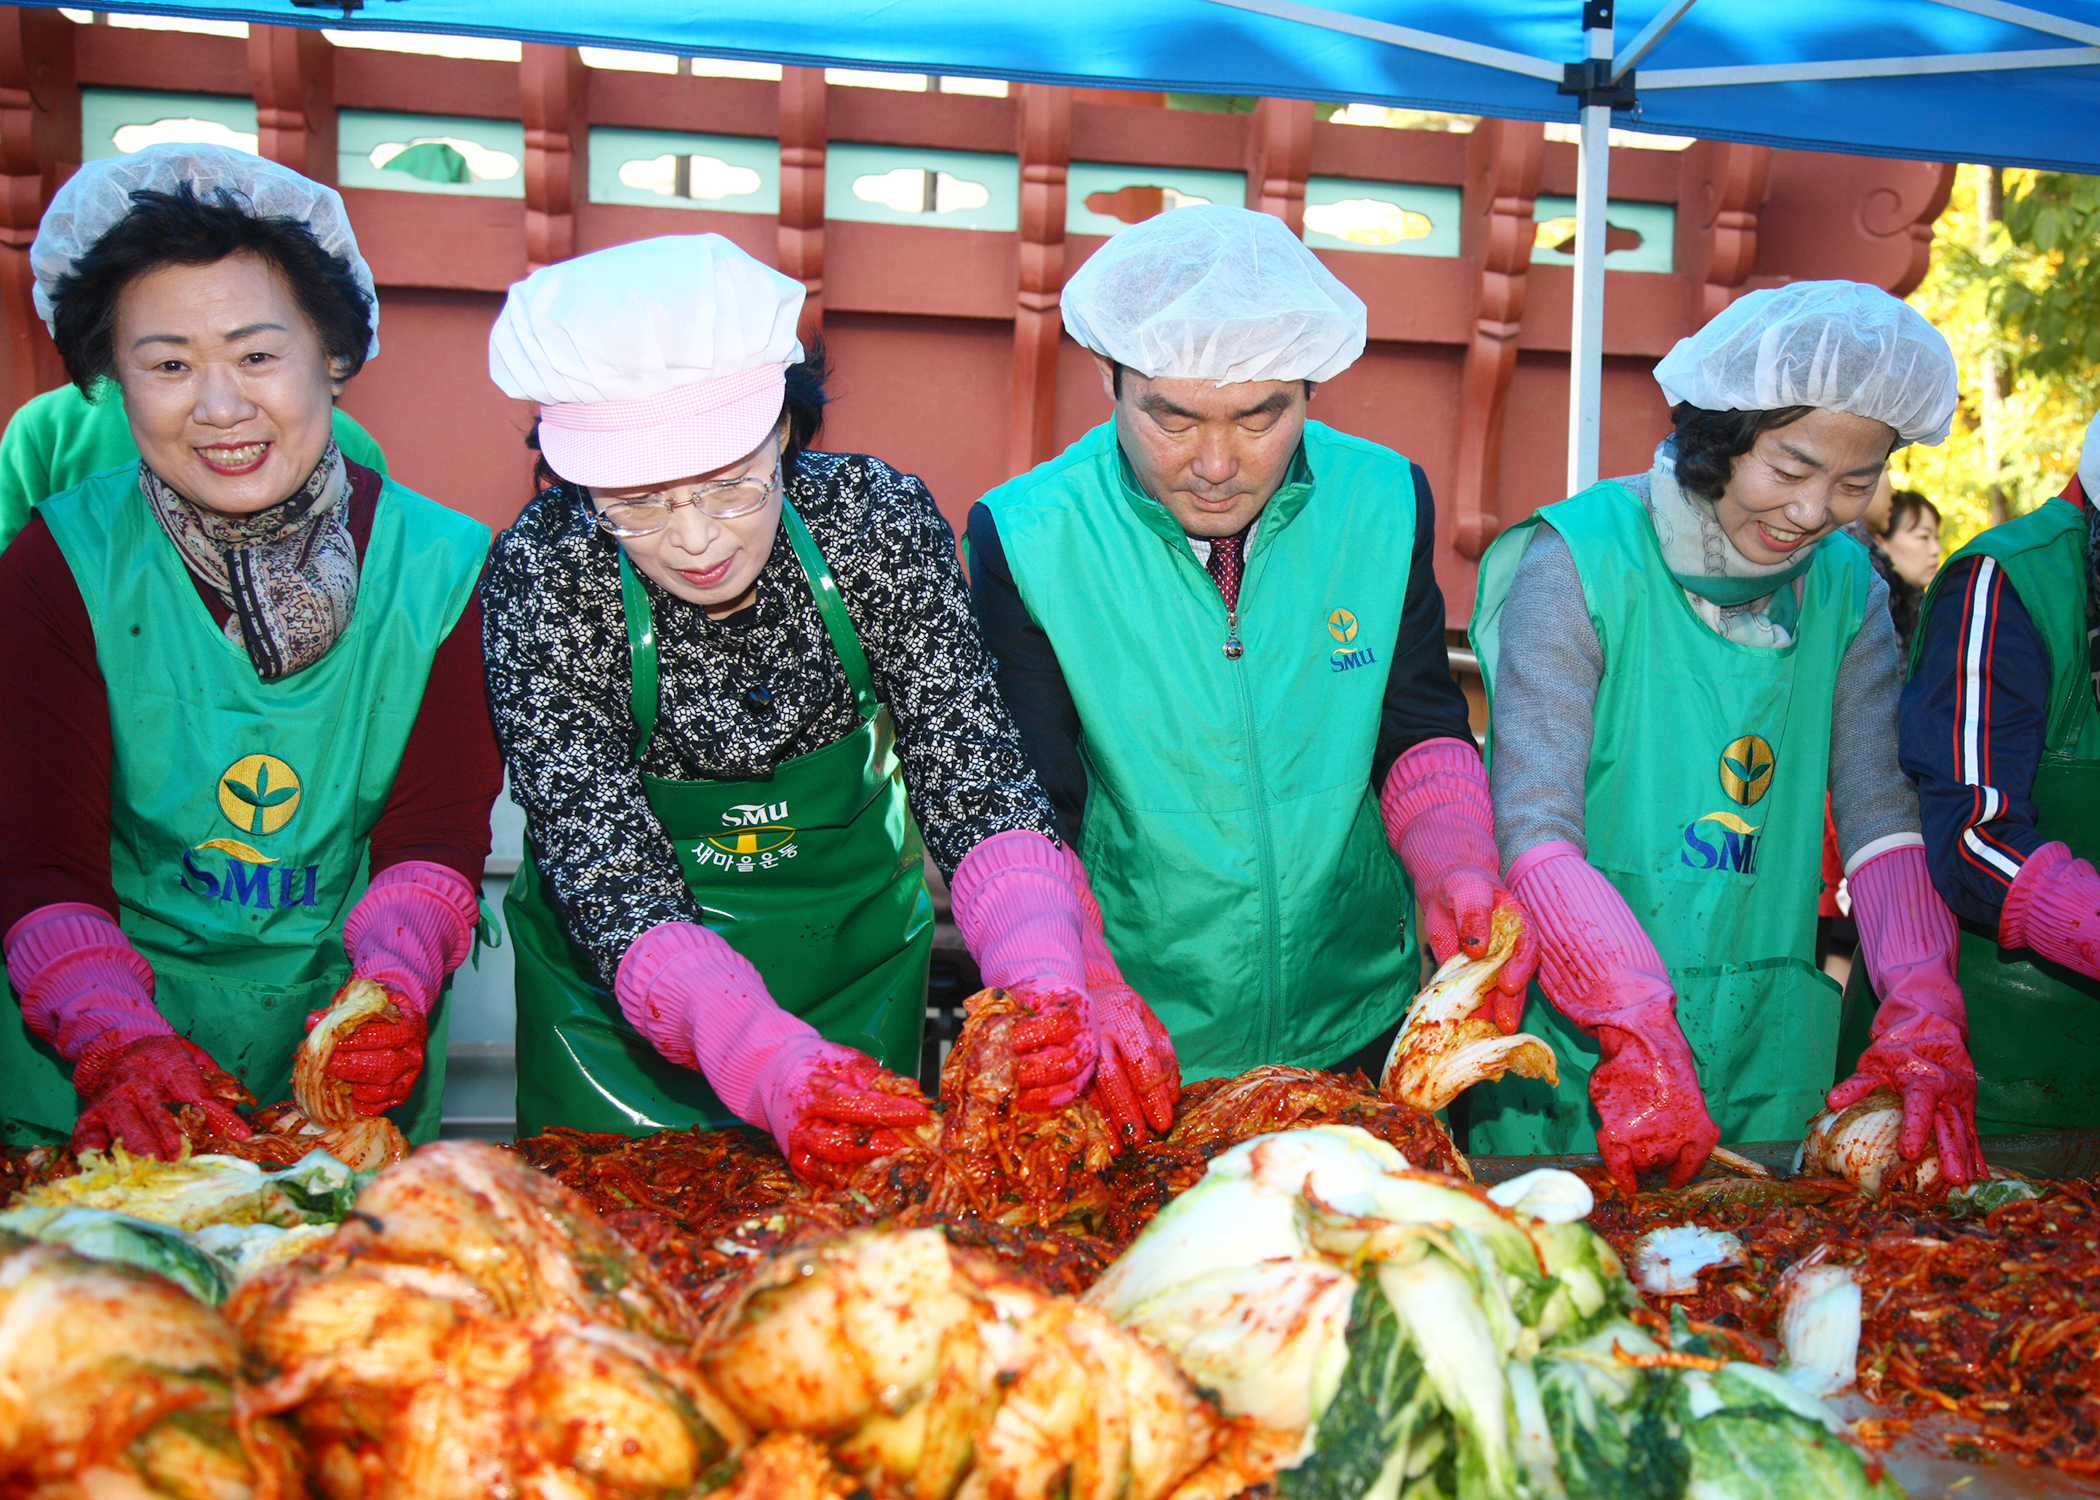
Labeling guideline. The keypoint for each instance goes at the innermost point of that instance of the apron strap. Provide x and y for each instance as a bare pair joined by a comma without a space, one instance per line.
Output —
641,650
838,624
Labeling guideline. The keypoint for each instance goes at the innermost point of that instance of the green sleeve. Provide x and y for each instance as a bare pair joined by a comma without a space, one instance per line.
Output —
358,445
25,473
53,442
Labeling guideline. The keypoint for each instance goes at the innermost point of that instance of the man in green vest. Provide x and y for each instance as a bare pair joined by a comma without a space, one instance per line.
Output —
55,440
2001,731
1218,626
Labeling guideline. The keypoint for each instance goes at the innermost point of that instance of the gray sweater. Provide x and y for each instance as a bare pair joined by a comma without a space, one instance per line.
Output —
1546,694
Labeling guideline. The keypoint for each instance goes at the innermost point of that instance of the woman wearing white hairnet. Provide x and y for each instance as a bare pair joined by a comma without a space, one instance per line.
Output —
736,680
1680,662
246,753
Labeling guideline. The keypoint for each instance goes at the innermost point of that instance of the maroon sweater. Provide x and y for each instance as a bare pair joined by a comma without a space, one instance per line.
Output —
55,745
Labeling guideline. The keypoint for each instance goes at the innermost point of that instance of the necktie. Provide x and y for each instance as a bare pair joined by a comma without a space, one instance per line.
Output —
1225,557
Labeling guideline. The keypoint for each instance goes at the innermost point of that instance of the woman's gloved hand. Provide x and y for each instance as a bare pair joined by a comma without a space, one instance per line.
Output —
1601,971
128,1088
2054,909
412,927
702,1005
1138,1081
1439,821
89,993
1920,1048
1014,905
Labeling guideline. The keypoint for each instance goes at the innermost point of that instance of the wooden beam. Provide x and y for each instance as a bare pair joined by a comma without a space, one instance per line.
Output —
1720,194
292,72
1502,184
1045,151
39,149
554,104
1279,159
804,130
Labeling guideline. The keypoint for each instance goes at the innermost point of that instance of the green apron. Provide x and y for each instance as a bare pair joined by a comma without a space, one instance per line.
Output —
816,875
240,809
2034,1026
1704,808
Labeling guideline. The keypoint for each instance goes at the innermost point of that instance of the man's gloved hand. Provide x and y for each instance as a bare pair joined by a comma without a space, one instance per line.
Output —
1601,971
835,1109
380,1058
1438,819
1138,1080
128,1087
1919,1049
702,1005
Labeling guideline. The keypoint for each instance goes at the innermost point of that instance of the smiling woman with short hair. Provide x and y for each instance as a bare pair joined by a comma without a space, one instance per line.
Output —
1680,663
245,704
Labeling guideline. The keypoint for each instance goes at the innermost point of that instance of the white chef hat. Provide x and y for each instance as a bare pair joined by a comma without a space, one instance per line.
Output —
1838,345
652,360
91,201
1212,293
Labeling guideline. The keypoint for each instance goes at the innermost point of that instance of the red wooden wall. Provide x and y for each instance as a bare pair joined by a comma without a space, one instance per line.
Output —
947,341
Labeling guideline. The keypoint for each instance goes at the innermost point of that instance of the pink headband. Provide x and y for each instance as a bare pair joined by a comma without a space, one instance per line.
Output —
687,430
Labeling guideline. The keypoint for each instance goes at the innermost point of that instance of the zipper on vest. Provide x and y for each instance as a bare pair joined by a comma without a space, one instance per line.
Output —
1265,858
1233,648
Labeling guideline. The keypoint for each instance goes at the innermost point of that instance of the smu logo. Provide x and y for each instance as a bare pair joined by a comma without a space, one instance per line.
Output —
1346,656
257,794
1722,841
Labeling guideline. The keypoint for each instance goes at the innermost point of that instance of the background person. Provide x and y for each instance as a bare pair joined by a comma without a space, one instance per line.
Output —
2001,732
1219,629
734,678
244,681
1706,603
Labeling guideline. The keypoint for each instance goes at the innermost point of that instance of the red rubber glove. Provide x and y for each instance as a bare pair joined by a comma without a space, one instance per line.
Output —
1439,821
1137,1082
1600,971
381,1058
702,1005
1919,1049
2054,909
838,1108
129,1086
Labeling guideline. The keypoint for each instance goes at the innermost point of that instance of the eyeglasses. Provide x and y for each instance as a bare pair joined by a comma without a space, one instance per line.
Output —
723,499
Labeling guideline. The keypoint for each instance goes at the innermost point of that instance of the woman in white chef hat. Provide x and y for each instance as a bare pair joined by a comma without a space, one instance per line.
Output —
1680,663
735,679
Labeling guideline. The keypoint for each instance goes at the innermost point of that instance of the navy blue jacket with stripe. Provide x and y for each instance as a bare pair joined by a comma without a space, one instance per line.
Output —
1975,712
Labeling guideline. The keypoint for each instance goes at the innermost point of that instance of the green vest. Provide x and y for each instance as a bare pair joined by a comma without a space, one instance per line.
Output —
1231,833
240,809
2034,1026
1703,806
55,440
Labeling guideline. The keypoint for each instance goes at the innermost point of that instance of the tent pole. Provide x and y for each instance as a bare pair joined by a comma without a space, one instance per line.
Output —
1586,338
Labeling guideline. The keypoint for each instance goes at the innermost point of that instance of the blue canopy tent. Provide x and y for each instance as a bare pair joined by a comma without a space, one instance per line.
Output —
1947,80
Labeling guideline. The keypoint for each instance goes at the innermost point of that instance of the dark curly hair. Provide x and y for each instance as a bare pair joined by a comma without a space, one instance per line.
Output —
803,406
1709,442
181,229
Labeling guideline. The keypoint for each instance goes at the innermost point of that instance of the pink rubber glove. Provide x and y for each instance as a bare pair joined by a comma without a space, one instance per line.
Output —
1013,902
1138,1081
1439,821
89,993
413,926
702,1005
2054,909
1601,971
1919,1048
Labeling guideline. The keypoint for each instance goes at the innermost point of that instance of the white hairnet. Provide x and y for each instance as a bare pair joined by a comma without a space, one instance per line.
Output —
634,321
1838,345
1210,293
94,198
